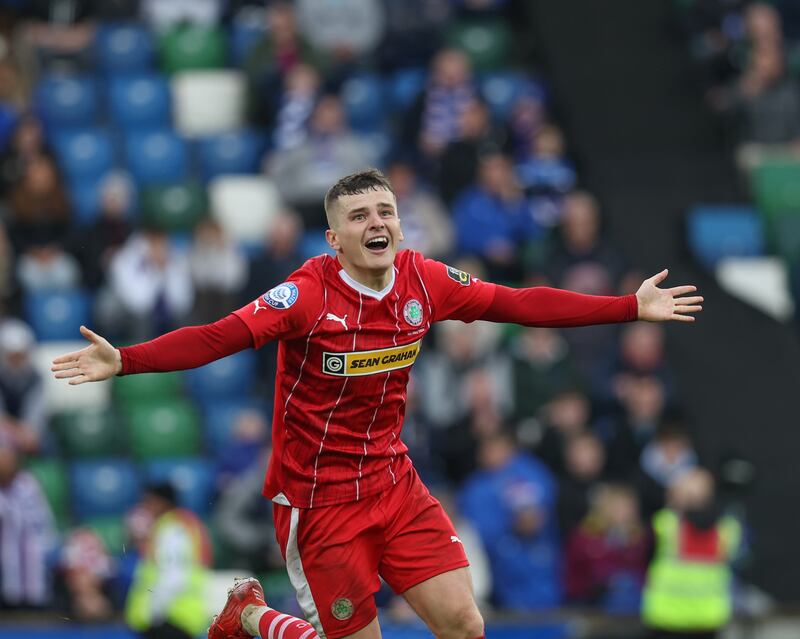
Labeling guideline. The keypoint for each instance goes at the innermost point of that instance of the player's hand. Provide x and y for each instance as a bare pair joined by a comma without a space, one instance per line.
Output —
98,361
663,304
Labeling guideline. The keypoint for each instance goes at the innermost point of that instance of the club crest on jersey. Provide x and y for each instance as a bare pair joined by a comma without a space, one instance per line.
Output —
459,276
412,312
342,609
280,297
360,363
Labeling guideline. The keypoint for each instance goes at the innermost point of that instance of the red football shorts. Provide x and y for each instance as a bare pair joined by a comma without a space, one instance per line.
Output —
335,554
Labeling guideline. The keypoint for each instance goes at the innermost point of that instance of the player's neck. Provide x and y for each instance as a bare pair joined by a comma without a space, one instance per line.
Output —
375,280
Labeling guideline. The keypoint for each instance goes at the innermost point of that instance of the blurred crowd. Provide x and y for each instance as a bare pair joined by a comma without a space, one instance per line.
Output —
552,450
748,54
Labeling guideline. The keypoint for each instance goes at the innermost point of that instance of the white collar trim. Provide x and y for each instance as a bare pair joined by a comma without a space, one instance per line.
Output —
366,290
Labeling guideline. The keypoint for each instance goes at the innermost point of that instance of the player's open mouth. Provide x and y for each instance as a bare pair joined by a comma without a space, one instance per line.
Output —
377,244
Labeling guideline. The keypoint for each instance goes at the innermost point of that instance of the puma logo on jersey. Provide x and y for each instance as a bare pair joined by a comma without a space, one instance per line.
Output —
336,318
455,540
258,306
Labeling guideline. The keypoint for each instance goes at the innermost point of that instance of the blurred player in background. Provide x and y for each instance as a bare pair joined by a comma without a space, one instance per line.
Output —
348,505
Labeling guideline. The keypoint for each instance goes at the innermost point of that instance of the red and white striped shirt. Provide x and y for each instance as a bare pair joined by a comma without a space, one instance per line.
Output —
343,364
344,357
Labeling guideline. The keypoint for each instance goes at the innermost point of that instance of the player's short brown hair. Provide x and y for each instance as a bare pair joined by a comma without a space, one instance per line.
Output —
366,180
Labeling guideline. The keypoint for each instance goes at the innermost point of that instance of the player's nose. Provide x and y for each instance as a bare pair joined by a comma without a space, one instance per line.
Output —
376,221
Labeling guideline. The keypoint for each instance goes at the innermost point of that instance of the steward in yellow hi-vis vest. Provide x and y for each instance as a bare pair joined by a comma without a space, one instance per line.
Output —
688,589
167,598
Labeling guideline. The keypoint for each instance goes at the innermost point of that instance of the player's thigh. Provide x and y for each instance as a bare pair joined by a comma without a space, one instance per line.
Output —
447,605
371,631
332,560
420,540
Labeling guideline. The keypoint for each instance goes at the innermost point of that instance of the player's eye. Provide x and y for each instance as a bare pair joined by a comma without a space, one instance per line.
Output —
387,213
359,216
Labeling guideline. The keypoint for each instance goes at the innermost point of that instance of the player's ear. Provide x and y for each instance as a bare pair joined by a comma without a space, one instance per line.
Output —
332,239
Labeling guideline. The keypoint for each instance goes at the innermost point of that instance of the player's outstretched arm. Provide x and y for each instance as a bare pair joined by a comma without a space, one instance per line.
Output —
665,304
98,361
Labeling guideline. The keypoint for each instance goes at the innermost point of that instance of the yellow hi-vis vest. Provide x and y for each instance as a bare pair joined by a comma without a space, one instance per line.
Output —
685,592
187,610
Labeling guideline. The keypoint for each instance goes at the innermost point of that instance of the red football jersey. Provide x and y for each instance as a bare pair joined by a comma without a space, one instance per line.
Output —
344,356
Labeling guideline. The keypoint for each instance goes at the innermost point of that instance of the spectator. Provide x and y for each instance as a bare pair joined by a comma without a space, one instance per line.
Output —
96,244
8,285
426,226
342,30
413,32
541,368
584,465
304,173
606,555
28,536
527,117
463,348
544,168
87,570
12,98
58,35
565,416
762,25
765,101
580,245
47,267
218,270
25,144
269,61
688,591
243,520
643,408
298,98
477,136
40,210
519,532
582,260
150,287
248,436
663,461
167,599
641,354
22,402
493,218
279,259
457,445
435,119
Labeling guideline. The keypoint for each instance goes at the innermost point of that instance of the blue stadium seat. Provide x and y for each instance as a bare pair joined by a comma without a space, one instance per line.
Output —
121,47
228,377
64,101
84,154
236,152
362,97
405,86
221,416
84,196
103,487
244,34
57,315
192,477
157,157
715,232
140,100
